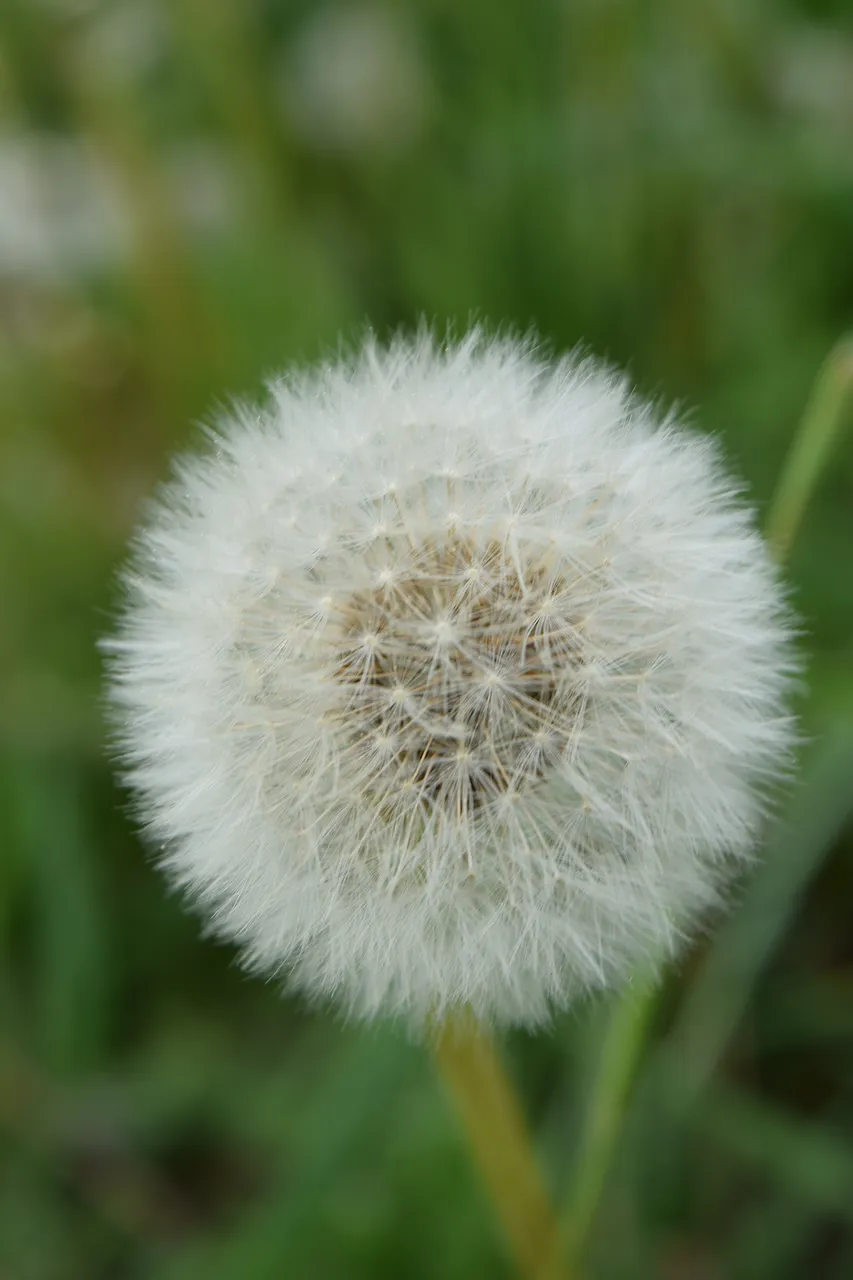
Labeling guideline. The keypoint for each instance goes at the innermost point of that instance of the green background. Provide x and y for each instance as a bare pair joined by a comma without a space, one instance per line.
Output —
194,193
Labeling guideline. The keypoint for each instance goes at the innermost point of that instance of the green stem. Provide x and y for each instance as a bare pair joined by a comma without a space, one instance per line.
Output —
811,448
620,1054
491,1115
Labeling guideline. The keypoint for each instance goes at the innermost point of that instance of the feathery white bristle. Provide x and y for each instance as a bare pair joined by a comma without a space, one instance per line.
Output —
452,677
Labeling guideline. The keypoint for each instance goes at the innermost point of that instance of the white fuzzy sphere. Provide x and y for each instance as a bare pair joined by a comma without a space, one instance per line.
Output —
453,676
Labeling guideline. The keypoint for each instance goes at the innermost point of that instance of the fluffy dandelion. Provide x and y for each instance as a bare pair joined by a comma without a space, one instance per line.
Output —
453,676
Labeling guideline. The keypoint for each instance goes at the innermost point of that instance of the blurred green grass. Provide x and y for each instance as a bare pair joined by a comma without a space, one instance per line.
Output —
194,193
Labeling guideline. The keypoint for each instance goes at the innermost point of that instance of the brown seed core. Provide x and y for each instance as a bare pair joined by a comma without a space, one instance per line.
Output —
459,675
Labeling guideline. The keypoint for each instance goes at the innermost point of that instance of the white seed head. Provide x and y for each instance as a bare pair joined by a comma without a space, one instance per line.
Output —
453,676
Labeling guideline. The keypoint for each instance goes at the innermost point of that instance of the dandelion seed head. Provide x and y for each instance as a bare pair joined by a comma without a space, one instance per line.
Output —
453,676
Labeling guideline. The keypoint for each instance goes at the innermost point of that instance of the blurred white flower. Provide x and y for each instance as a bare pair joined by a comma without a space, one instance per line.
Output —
353,78
204,186
132,35
58,211
811,72
453,676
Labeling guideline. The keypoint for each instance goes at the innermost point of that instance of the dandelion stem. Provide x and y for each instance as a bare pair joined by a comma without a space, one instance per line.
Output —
490,1112
810,450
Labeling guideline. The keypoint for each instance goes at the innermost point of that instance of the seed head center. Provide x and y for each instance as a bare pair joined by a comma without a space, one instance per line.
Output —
462,667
